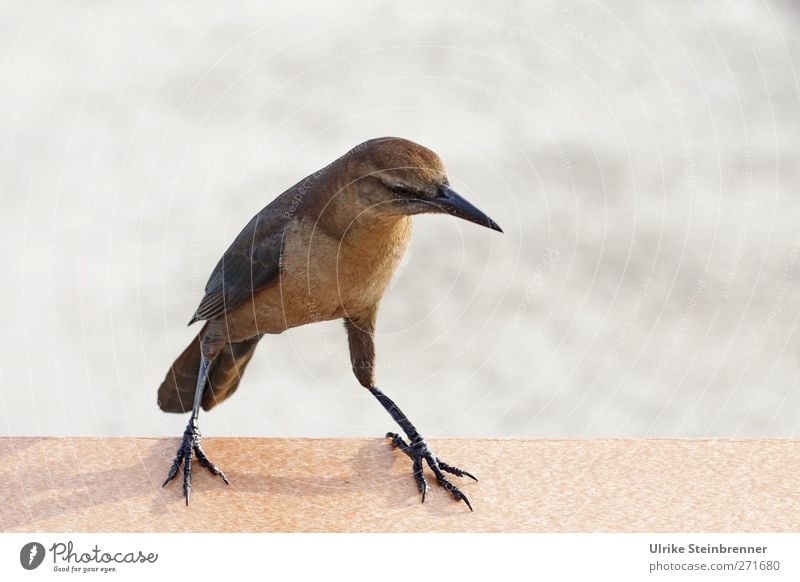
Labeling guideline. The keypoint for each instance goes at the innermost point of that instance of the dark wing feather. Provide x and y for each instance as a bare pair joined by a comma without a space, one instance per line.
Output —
251,262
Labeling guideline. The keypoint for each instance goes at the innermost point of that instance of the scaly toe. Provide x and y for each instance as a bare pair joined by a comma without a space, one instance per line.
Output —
208,464
455,470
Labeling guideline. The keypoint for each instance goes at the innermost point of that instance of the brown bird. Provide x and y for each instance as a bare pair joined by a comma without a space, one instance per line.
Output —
325,249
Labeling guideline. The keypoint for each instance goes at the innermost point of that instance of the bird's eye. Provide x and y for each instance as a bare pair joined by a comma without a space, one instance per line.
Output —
403,190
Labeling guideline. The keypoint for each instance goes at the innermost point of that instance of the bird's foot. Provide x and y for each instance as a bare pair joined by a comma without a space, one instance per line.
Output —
191,442
417,451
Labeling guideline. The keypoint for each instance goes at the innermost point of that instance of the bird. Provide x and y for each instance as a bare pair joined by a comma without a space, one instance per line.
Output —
325,249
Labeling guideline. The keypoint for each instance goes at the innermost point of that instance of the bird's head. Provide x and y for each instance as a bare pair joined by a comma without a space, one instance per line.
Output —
400,177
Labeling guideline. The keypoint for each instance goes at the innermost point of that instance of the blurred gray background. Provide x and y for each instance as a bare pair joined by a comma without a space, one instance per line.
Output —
641,157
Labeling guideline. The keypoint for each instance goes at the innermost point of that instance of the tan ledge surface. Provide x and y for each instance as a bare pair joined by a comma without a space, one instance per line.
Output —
114,484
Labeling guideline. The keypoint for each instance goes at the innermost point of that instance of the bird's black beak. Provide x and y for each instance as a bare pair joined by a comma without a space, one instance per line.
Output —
451,202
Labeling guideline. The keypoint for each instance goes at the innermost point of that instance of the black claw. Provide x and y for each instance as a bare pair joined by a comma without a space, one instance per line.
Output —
418,451
206,462
174,469
419,476
465,500
191,442
187,473
456,471
454,491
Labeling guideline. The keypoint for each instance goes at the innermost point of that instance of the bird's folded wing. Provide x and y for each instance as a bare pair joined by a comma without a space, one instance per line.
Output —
251,263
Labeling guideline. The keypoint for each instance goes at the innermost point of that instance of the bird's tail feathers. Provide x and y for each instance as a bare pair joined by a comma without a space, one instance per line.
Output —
176,393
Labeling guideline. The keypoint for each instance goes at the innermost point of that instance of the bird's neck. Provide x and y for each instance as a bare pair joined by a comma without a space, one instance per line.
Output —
339,218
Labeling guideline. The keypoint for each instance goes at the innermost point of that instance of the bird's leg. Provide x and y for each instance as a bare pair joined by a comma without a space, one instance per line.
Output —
191,440
360,334
417,449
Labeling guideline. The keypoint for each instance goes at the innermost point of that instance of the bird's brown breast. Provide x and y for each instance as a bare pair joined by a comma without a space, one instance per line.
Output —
324,277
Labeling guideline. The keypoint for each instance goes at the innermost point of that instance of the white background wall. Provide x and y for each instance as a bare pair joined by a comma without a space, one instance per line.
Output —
641,157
